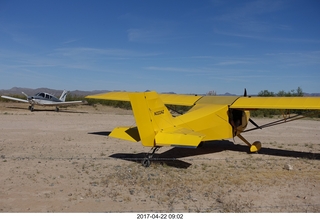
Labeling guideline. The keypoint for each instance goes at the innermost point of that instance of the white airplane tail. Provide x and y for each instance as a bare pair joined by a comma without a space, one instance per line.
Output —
63,96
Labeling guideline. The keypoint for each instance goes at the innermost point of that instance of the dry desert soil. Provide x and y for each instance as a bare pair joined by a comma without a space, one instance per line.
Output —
65,162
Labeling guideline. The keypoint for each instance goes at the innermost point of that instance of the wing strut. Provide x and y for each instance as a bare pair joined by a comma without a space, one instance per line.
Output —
281,121
255,124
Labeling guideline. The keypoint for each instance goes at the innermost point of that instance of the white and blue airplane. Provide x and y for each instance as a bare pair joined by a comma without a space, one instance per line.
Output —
44,99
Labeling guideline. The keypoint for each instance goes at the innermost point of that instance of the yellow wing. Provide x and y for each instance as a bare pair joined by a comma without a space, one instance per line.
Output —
251,103
119,96
234,102
169,99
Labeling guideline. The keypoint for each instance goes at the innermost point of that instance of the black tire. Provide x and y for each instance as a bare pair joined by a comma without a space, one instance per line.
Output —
146,162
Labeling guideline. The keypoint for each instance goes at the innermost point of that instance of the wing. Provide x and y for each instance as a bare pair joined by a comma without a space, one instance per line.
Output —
64,103
248,103
169,99
14,99
252,103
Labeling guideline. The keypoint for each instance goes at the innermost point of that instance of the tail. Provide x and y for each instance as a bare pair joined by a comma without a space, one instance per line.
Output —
155,125
63,96
151,116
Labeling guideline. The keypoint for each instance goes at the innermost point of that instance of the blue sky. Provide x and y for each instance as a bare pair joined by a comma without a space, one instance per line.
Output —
168,45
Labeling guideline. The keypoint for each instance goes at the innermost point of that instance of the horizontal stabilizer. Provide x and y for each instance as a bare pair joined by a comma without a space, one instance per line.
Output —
126,133
181,137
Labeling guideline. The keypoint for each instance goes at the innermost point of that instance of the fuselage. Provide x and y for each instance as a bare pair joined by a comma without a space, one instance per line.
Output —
214,119
43,99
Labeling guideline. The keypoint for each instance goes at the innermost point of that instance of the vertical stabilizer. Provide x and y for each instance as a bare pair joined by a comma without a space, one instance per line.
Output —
63,96
151,116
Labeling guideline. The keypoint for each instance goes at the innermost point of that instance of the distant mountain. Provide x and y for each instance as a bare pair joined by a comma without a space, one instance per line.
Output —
227,94
18,91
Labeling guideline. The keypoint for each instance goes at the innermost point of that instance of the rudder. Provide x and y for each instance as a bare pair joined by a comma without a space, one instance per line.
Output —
63,96
151,116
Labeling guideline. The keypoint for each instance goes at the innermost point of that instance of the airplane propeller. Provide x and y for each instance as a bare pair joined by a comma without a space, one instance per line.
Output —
25,94
28,97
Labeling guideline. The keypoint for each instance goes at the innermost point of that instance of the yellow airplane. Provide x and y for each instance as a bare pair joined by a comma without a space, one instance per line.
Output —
210,118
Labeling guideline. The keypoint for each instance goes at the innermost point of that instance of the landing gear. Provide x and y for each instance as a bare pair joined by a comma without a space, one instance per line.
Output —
146,161
255,147
31,108
57,109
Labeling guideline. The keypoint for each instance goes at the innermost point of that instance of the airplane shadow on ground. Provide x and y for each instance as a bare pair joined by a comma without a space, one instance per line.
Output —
173,156
46,110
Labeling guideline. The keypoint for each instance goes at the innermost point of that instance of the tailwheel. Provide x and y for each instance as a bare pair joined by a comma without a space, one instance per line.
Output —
255,147
147,160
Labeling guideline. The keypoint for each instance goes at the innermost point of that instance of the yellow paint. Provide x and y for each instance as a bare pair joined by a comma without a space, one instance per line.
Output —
310,103
210,118
126,133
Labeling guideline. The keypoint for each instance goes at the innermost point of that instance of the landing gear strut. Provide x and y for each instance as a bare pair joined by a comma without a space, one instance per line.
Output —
146,161
255,147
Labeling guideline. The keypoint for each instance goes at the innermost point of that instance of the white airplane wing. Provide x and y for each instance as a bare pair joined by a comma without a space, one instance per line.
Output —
64,103
14,99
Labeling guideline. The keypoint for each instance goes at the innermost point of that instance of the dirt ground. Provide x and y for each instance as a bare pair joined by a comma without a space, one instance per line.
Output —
65,162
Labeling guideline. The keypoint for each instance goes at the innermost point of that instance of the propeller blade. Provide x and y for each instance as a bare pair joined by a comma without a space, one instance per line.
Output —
255,124
25,94
245,92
